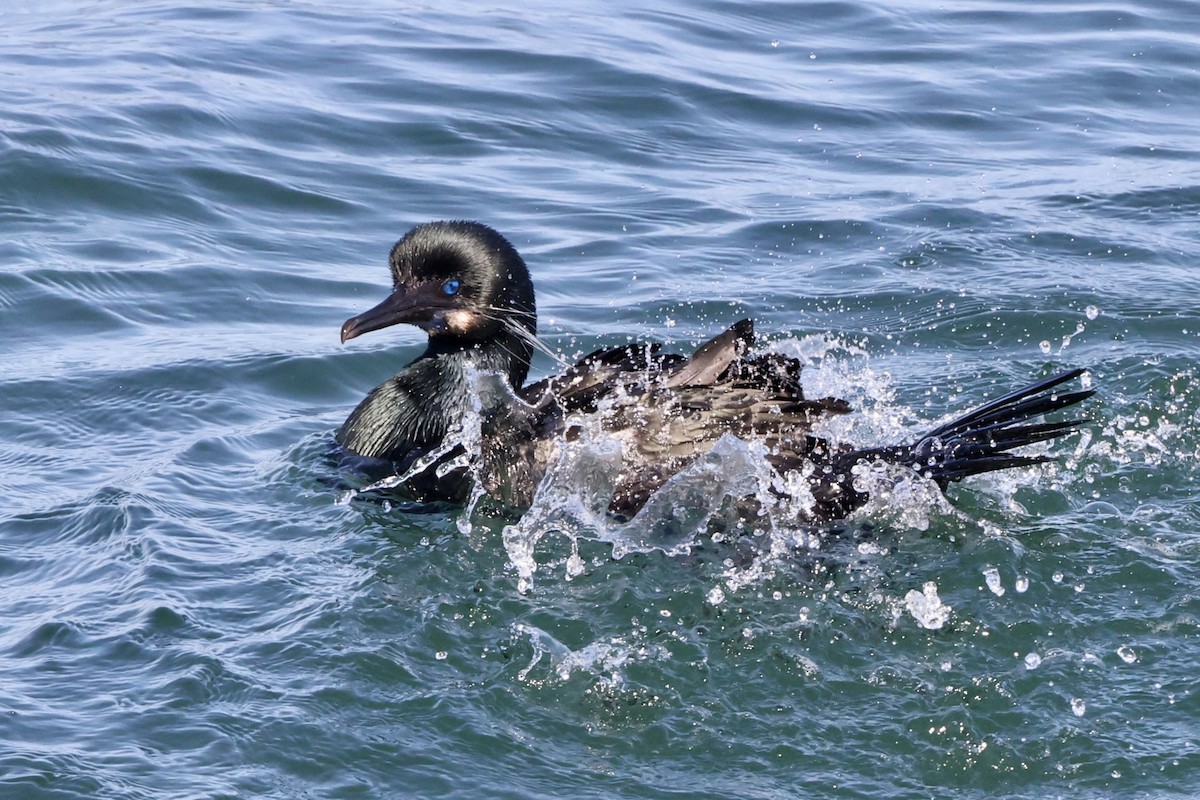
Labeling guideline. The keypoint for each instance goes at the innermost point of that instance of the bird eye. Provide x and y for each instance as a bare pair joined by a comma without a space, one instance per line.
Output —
451,287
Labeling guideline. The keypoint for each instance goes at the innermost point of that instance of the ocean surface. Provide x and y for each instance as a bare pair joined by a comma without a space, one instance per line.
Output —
932,203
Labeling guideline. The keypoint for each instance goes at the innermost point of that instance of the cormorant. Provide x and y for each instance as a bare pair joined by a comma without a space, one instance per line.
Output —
470,291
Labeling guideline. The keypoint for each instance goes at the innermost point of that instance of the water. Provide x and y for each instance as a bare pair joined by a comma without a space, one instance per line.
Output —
932,202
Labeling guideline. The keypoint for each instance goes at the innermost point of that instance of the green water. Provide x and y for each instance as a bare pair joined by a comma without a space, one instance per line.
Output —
932,204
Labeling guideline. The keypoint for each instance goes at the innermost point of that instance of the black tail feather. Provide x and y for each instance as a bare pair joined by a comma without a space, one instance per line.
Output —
979,441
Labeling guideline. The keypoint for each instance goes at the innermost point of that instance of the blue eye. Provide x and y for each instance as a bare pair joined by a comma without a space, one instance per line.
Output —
451,287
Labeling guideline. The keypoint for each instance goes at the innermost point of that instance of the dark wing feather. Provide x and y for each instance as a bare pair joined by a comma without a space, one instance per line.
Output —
580,387
713,358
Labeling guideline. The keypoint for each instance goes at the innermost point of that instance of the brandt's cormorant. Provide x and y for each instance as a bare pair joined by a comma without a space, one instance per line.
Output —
469,290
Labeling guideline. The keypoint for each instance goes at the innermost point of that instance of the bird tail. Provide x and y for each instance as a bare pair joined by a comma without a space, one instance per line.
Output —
981,440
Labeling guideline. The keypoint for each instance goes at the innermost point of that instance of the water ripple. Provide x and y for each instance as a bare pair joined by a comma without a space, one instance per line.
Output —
927,204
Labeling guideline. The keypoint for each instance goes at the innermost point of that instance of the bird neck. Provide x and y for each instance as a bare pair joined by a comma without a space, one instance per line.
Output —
411,413
505,352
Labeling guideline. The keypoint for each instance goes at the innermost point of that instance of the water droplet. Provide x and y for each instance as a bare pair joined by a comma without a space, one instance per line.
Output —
1044,345
1078,707
1057,577
716,596
1032,661
1127,654
1092,312
441,655
992,576
926,607
774,43
1021,584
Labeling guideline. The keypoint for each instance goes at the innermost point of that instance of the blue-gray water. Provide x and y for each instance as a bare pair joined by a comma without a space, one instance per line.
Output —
960,196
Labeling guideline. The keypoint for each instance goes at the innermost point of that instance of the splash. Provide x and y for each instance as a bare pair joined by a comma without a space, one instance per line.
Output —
730,493
900,497
605,660
484,390
702,500
571,498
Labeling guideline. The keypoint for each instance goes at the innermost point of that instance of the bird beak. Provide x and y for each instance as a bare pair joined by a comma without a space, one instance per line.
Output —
397,307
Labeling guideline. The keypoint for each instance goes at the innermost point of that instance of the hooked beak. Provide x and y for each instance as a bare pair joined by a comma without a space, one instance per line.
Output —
420,305
397,307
